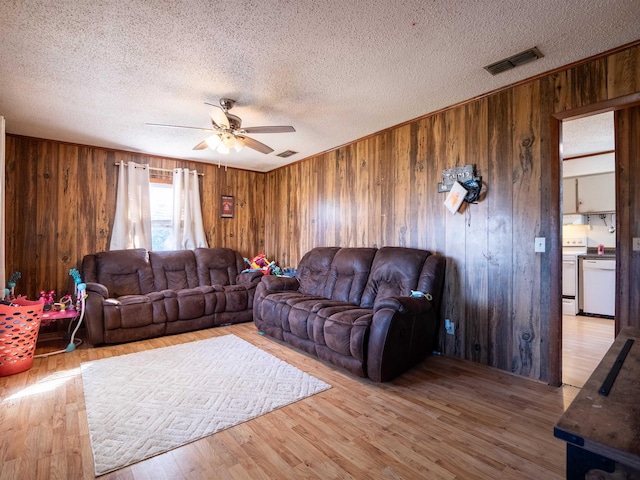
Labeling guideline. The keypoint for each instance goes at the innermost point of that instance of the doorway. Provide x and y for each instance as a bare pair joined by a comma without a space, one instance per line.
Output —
627,223
588,243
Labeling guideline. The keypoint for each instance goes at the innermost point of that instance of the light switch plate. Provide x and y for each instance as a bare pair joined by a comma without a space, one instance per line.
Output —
636,244
540,245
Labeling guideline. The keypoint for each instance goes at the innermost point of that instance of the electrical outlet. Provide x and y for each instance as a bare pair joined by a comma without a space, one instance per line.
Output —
540,245
450,327
636,244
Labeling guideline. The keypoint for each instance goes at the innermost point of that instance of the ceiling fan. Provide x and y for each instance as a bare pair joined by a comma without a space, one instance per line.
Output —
228,132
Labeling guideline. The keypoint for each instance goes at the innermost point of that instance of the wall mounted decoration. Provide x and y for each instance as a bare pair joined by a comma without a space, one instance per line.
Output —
455,197
457,174
226,206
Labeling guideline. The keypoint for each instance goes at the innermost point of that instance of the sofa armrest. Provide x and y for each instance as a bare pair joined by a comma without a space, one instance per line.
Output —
268,285
97,288
414,305
279,284
403,333
94,313
248,278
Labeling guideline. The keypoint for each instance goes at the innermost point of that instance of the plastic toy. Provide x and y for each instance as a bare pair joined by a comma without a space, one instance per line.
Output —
11,284
419,294
66,302
260,262
48,298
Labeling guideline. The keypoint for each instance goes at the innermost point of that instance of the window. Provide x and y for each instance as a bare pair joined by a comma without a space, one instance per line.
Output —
161,200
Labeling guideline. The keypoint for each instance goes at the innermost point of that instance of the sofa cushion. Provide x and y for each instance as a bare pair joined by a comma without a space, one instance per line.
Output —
128,311
303,315
191,303
300,322
174,270
313,270
185,304
345,332
232,298
210,299
340,319
124,272
217,266
349,273
341,336
275,308
395,272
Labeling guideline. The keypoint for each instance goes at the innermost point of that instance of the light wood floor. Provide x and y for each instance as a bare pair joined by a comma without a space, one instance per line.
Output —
445,419
585,340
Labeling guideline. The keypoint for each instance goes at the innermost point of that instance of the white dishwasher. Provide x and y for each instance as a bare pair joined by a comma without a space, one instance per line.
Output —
599,286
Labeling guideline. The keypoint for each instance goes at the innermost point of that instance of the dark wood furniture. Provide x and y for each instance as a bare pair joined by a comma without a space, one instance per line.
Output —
602,431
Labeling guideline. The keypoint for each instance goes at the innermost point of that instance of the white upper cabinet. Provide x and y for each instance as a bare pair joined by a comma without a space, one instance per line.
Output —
596,193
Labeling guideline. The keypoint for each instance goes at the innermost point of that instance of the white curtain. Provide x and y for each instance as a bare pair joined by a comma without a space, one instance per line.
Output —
3,273
188,232
132,223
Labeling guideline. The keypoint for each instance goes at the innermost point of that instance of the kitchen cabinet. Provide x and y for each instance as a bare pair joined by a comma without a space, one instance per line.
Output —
589,194
569,195
596,193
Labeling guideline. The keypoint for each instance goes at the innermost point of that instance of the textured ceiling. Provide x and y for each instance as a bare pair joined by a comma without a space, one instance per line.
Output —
95,72
588,135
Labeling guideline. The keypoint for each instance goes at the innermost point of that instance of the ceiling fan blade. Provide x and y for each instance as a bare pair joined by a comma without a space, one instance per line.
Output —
201,146
179,126
256,145
218,115
270,129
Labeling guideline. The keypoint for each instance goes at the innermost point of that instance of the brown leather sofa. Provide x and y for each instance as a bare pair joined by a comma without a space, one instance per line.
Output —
352,307
136,294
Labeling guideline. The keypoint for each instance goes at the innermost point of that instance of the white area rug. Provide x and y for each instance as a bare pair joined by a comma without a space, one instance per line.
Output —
143,404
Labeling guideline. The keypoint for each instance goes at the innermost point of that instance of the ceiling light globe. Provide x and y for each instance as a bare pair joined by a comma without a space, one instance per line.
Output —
239,144
222,148
213,141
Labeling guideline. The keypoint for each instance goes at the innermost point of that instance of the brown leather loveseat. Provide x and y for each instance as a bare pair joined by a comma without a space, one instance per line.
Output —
136,294
352,307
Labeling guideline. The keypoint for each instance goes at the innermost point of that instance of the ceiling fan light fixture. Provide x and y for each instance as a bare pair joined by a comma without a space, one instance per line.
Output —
222,148
228,140
239,144
213,141
228,132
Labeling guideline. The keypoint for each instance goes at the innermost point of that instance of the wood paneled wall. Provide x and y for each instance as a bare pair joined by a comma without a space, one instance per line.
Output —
382,190
61,202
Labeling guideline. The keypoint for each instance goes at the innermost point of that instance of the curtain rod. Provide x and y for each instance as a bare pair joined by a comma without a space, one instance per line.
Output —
168,170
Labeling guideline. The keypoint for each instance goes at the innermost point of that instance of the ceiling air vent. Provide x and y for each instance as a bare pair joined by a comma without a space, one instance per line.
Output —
286,153
514,61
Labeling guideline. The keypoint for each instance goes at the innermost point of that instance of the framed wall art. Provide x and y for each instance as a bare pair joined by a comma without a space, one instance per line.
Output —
226,206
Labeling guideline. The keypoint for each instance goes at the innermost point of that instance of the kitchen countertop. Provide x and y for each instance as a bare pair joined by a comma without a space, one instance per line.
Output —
608,252
595,256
